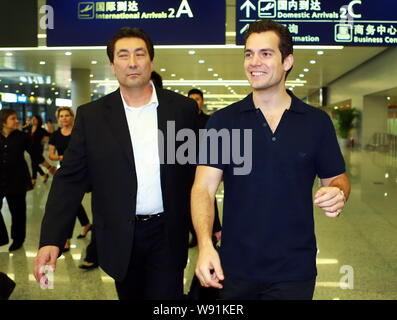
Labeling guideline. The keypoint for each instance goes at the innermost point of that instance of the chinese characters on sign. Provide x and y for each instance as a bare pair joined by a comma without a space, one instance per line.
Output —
173,22
320,22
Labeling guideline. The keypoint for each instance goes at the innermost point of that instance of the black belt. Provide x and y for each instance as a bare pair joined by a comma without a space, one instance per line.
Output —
146,217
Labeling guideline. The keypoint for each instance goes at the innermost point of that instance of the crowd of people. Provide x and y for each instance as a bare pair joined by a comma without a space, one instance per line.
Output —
143,205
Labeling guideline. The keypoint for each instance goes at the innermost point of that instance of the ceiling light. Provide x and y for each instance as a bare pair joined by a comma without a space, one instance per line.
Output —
192,52
173,75
215,74
220,79
6,86
91,76
162,70
42,62
176,90
32,93
320,53
68,53
388,98
312,61
16,91
36,86
306,70
301,75
201,61
21,84
9,54
181,79
56,93
210,69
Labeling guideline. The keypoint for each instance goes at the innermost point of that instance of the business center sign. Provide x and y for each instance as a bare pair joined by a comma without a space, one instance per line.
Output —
325,22
168,22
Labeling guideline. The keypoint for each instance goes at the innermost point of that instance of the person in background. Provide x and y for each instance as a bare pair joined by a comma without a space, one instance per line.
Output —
38,137
14,176
202,118
268,248
49,126
157,79
58,143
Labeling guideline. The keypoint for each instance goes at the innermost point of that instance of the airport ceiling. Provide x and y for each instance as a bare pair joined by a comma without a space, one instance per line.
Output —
218,71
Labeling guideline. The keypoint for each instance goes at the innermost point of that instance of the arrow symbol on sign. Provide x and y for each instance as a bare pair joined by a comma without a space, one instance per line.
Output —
247,5
245,28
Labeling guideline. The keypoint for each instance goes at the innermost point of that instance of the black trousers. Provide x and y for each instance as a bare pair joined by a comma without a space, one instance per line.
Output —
36,168
91,252
17,205
236,289
83,218
151,273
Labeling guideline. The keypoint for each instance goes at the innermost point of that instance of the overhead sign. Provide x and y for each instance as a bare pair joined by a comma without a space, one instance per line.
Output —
320,22
168,22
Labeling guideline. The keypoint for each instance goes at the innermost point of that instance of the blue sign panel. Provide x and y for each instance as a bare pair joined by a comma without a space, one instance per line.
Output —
321,22
168,22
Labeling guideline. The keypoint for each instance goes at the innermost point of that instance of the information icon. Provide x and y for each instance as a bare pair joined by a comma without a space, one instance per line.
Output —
343,33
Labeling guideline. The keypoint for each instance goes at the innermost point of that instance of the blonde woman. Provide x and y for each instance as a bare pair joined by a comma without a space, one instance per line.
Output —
57,145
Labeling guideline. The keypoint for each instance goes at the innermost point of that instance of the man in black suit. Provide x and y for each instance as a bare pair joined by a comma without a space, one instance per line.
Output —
140,197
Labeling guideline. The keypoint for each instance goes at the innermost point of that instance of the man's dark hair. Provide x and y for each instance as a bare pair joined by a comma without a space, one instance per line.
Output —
128,32
285,45
4,114
195,91
157,79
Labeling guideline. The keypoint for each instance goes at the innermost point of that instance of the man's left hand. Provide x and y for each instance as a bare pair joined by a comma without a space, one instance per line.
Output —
331,200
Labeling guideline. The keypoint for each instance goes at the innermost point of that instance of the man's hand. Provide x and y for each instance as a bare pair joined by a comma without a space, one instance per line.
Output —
52,170
47,255
208,261
331,200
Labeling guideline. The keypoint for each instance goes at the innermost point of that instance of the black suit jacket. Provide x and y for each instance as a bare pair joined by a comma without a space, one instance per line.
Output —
100,158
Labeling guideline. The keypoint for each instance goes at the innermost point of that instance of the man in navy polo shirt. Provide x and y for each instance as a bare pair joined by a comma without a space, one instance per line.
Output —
268,248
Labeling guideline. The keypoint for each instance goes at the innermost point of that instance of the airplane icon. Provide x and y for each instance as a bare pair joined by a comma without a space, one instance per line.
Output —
87,8
267,9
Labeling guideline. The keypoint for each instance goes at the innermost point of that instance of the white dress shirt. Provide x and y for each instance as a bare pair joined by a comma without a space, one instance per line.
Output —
142,124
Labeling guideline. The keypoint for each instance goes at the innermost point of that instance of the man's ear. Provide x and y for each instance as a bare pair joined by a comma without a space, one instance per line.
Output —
288,62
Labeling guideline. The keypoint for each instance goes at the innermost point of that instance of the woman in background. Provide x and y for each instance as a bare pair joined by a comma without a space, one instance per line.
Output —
37,137
58,143
14,176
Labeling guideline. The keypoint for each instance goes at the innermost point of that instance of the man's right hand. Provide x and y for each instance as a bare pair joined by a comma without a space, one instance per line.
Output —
208,261
46,255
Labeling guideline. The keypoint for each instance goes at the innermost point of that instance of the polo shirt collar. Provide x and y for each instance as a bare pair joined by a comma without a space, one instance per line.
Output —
297,106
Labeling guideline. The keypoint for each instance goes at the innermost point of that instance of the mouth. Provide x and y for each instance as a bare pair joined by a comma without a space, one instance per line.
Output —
258,73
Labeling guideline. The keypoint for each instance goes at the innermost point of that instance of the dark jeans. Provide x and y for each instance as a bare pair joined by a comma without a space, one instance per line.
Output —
235,289
17,205
83,218
151,275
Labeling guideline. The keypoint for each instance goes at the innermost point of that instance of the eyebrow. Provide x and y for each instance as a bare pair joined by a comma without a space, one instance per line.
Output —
263,49
135,50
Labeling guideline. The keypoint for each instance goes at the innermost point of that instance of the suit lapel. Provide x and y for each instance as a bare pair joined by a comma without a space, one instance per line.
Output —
115,117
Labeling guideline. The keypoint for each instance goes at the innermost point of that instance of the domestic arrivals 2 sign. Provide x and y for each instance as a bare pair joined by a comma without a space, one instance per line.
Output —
325,22
168,22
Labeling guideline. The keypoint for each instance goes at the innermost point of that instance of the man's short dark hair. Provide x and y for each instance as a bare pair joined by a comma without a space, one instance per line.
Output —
157,79
4,114
128,32
285,45
195,91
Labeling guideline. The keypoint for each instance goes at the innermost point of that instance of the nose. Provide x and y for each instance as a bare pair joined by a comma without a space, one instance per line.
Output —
132,61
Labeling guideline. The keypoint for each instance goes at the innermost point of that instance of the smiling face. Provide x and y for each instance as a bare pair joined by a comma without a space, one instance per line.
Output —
263,63
132,65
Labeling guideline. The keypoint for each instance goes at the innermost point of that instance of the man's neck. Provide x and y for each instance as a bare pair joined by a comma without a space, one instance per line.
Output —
137,97
6,132
272,99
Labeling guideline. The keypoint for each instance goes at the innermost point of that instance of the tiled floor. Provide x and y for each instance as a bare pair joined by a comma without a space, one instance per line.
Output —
357,252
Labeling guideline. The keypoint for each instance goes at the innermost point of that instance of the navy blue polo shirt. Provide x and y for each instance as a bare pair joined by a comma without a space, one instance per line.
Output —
268,227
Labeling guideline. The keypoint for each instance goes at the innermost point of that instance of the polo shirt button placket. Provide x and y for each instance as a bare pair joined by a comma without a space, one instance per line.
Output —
274,139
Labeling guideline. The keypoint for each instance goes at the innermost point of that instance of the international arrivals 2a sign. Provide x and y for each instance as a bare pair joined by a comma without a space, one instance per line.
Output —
168,22
325,22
